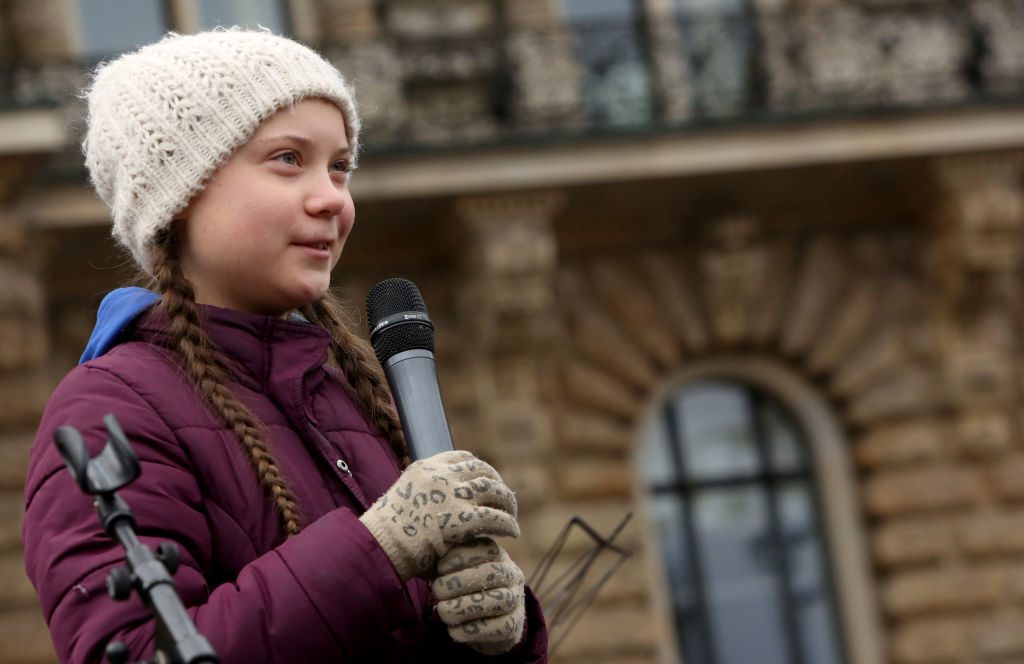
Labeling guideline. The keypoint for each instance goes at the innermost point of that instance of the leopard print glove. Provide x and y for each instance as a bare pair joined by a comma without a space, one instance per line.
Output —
481,596
447,499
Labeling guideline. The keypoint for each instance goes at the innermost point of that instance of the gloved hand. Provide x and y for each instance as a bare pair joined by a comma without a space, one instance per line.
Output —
447,499
481,596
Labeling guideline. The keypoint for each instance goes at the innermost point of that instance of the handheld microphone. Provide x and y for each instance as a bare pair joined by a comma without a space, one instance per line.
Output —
403,339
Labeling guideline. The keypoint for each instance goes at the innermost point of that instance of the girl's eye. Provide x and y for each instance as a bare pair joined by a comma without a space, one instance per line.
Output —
341,166
289,158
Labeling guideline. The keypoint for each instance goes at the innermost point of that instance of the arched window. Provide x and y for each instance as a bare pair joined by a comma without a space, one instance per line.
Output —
733,494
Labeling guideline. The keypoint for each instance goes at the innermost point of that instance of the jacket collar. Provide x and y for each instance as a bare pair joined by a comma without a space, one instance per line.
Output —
264,351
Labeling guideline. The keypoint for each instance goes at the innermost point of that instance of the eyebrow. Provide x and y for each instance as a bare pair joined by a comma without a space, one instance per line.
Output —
303,141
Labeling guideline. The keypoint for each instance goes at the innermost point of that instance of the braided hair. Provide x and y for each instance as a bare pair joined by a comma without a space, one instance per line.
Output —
203,365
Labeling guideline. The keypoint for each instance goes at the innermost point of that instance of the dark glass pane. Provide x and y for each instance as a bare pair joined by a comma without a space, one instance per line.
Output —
704,7
784,444
113,26
808,574
657,459
247,13
667,515
583,10
717,434
740,576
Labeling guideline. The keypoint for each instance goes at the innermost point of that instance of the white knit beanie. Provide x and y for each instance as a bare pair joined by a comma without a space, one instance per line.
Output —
162,119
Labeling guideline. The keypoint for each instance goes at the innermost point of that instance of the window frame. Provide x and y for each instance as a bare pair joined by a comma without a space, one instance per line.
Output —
844,539
182,16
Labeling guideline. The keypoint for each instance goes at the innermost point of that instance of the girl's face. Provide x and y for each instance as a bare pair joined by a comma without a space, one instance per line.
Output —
269,227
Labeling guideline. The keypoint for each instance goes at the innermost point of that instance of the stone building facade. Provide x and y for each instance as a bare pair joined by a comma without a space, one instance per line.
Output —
823,201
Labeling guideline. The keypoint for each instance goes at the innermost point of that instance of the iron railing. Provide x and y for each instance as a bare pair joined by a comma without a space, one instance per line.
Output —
659,74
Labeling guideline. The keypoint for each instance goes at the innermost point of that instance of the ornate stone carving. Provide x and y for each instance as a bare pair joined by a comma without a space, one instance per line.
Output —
978,242
508,306
735,262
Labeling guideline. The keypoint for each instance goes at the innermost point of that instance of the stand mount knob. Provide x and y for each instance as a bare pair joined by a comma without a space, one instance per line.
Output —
119,583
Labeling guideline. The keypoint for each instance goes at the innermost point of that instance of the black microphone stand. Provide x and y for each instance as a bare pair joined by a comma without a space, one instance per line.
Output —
177,639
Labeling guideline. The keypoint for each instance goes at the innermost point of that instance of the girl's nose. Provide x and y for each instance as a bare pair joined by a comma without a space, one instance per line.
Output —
327,198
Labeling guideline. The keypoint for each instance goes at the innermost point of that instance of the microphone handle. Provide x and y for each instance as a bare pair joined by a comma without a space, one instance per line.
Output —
412,375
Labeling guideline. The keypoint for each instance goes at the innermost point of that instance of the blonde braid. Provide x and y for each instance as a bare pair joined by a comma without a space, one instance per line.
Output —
355,358
202,365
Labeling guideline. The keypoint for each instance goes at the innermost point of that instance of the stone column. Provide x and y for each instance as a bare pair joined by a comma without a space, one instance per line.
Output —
342,20
23,392
976,260
508,308
975,256
41,29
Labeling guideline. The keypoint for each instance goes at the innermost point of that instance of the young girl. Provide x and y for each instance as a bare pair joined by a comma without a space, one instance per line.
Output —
269,448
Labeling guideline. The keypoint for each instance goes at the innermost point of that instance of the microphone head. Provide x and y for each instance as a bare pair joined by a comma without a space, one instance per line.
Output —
397,318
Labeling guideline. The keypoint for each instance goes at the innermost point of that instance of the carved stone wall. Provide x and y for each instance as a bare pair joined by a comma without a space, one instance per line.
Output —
509,316
42,29
912,335
24,389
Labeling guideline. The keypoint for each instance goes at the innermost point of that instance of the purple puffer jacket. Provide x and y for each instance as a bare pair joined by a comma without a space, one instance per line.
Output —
329,594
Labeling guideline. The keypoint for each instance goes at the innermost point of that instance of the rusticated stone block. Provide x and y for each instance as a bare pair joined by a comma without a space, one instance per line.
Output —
819,282
676,301
22,399
592,431
24,638
910,392
12,506
22,345
14,584
529,481
1008,474
628,298
913,542
1001,639
14,449
847,328
979,375
992,534
984,434
907,491
903,443
582,479
603,342
878,356
931,641
514,426
607,634
20,290
591,387
934,590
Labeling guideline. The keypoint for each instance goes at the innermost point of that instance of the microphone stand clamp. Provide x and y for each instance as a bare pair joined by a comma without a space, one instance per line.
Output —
177,639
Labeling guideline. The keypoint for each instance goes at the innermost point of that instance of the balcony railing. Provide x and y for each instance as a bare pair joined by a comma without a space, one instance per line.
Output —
670,73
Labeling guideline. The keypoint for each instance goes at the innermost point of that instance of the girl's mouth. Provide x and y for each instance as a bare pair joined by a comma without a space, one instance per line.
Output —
318,250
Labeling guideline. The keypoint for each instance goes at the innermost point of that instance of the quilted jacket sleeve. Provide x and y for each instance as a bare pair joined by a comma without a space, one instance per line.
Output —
290,604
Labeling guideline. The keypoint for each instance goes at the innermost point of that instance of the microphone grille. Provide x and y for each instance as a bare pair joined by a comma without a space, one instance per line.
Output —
396,296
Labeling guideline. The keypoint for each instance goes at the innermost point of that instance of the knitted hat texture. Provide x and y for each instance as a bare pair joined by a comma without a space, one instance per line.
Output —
162,119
